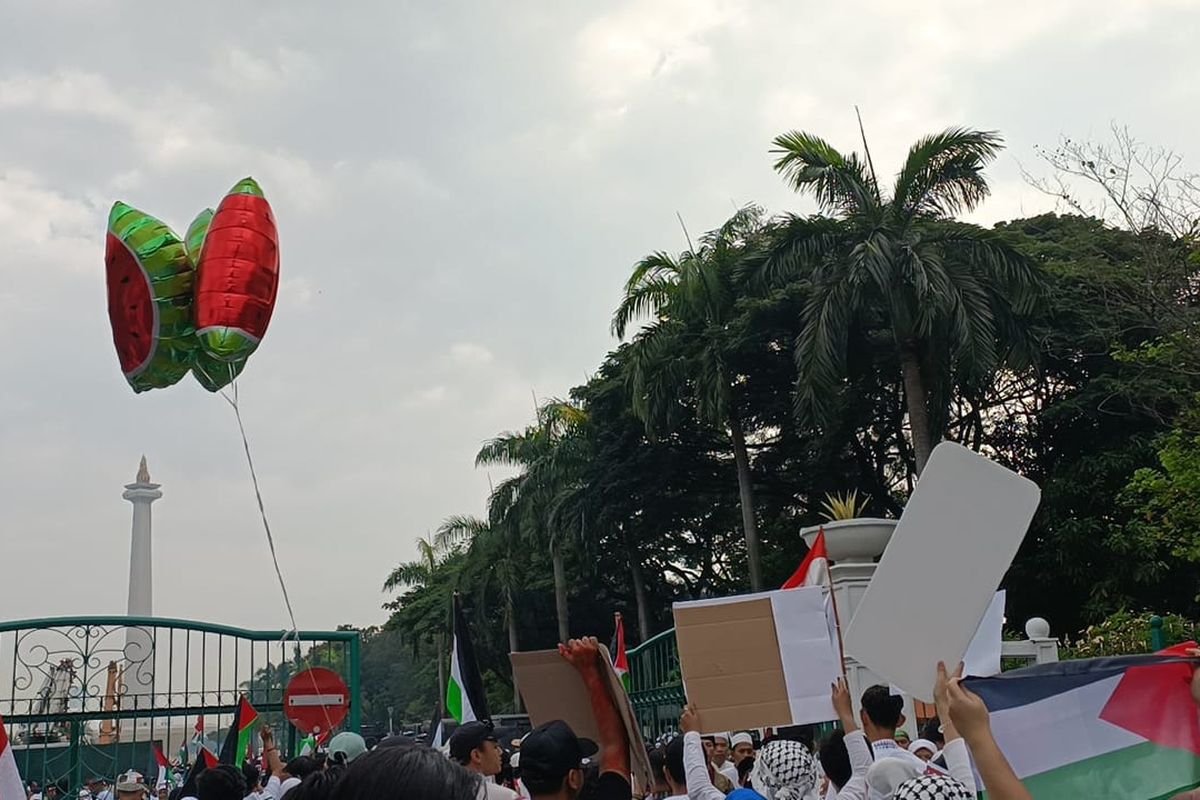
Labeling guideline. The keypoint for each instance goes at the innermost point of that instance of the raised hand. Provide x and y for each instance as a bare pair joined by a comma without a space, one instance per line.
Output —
583,654
843,706
689,720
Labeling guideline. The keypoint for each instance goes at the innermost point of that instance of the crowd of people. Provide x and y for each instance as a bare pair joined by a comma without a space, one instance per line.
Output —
868,758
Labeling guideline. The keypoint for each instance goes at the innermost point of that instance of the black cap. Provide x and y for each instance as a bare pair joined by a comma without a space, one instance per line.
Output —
553,749
470,736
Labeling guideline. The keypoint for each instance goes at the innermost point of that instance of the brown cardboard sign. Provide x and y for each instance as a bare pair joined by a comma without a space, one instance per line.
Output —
553,689
729,655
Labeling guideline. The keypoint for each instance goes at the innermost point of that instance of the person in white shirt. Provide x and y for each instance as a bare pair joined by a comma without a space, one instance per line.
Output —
475,747
882,713
697,768
674,771
720,758
846,758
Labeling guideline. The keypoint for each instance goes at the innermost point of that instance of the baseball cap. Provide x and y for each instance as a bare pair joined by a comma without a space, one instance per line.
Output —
470,736
131,781
349,744
553,749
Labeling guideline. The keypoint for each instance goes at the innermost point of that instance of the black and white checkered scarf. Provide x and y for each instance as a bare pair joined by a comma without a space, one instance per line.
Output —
933,787
784,771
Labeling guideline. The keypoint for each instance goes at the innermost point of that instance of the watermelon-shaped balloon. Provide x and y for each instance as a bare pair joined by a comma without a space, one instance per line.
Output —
237,278
150,292
194,240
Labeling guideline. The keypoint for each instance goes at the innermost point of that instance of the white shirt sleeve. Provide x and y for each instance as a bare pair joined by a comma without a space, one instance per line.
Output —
695,769
958,763
860,762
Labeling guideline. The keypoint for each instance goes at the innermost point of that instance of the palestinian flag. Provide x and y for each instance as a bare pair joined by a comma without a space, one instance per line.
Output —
164,766
617,651
465,699
204,760
1103,728
240,735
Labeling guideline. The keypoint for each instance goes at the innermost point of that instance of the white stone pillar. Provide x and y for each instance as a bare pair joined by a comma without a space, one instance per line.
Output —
138,669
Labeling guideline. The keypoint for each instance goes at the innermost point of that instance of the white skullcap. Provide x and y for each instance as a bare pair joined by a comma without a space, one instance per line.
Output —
741,738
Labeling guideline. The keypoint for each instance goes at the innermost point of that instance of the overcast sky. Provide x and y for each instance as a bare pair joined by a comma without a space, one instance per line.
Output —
461,189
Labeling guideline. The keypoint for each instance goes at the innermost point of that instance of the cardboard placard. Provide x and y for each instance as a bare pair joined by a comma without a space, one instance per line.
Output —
553,689
757,660
950,550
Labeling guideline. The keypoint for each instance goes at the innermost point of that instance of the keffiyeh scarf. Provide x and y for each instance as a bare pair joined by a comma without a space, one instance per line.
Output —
933,787
784,771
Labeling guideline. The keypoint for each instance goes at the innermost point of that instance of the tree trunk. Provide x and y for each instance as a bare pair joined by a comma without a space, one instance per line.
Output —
918,405
514,646
441,664
639,595
746,497
560,592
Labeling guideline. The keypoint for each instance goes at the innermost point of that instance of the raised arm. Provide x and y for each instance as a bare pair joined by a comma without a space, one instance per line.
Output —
584,655
695,762
271,752
958,760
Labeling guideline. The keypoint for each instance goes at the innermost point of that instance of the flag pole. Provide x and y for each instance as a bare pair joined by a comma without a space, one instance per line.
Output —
837,620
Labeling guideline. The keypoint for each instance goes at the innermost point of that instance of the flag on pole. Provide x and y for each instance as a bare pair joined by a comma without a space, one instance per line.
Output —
237,740
1103,728
11,787
465,698
617,651
814,569
306,746
435,728
204,760
163,766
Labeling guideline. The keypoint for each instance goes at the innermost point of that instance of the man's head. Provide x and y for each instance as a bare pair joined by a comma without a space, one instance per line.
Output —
903,739
131,786
673,769
51,791
222,782
882,712
743,747
658,762
720,748
392,772
835,759
300,767
710,746
251,776
474,745
345,747
163,792
932,730
923,749
552,761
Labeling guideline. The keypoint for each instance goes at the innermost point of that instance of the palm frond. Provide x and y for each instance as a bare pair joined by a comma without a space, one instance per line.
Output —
810,164
943,174
821,346
414,573
794,244
647,291
459,529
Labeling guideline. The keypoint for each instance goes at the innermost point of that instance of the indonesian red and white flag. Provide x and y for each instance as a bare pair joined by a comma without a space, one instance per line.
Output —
11,787
814,569
163,766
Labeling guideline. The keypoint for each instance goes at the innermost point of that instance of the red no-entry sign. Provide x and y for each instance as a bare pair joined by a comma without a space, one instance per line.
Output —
316,699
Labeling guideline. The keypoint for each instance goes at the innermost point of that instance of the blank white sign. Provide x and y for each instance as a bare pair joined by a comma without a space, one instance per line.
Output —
955,540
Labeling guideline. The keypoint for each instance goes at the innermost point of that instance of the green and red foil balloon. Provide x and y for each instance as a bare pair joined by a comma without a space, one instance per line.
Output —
200,304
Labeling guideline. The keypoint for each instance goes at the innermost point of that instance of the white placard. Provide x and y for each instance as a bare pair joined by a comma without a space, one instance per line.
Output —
810,662
982,659
953,543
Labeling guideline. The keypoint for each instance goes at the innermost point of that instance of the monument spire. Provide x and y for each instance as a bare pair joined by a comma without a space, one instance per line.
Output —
139,645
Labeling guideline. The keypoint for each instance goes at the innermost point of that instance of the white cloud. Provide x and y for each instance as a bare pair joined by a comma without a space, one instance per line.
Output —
460,193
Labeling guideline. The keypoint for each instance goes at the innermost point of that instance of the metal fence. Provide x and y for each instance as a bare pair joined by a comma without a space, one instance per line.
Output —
656,684
90,696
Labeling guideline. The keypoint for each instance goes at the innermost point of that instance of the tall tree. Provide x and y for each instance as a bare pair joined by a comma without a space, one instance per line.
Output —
952,295
685,348
546,453
496,552
420,574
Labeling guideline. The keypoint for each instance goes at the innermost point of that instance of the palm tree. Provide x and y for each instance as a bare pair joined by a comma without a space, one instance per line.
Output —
547,455
497,547
952,295
691,299
420,574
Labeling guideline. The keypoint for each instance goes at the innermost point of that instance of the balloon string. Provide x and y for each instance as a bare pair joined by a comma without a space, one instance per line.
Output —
295,634
233,403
